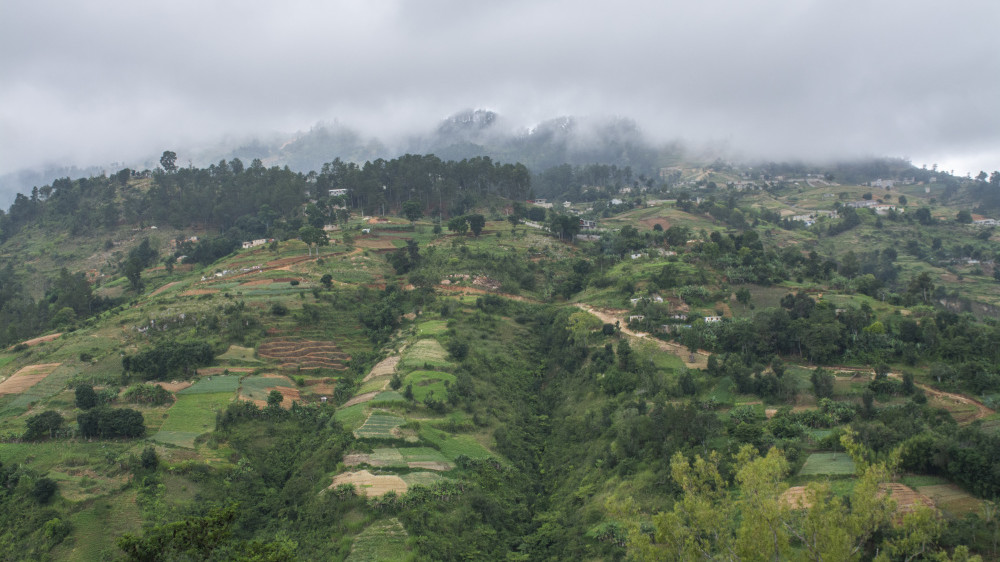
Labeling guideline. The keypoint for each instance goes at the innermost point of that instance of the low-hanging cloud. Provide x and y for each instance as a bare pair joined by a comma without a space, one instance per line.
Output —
100,81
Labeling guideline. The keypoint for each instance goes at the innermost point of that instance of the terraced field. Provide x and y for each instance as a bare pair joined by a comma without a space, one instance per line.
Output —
304,354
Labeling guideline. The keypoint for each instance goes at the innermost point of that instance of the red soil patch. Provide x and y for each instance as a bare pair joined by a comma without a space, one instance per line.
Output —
795,498
163,288
384,367
370,484
36,341
174,386
288,395
304,354
360,398
26,378
907,499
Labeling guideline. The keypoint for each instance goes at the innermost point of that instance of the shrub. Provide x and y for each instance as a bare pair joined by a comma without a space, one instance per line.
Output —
150,394
43,490
86,398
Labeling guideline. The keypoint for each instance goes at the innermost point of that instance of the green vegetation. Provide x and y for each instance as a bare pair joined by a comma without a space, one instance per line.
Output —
670,378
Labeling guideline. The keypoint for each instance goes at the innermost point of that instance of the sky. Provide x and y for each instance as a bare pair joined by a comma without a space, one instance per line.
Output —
100,81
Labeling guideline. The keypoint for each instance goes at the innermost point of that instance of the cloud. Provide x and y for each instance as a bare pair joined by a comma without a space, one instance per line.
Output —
104,80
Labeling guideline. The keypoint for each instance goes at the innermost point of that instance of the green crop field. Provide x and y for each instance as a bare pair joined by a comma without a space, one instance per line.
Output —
425,352
387,396
352,417
452,446
387,456
422,454
421,478
426,382
259,384
827,463
952,499
190,416
382,540
213,385
432,328
379,425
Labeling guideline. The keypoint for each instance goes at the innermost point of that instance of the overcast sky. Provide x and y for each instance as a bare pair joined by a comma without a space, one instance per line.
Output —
97,81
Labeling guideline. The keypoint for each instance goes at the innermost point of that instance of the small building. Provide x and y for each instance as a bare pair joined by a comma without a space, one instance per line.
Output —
712,319
337,192
587,225
636,318
254,243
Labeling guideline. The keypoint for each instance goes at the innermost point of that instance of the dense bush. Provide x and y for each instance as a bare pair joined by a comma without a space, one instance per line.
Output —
167,359
108,423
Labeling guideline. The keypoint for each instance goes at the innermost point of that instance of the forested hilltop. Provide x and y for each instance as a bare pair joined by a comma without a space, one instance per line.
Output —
432,359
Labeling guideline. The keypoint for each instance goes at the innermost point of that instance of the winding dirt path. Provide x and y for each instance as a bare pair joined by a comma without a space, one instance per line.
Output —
981,410
610,317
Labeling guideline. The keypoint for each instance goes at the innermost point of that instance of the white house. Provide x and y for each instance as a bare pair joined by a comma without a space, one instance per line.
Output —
254,243
337,192
712,319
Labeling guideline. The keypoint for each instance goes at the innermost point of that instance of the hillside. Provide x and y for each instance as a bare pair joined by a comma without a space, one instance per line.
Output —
723,354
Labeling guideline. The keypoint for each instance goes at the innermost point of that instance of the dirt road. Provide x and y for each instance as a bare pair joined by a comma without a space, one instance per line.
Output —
612,316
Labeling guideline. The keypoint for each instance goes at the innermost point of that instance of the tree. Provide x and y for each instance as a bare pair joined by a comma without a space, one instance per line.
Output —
476,224
743,296
133,272
43,425
822,383
326,280
964,217
313,237
458,225
274,398
148,459
924,216
86,398
169,161
412,210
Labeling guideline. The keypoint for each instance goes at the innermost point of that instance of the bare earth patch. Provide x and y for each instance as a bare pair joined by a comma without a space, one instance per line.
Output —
163,288
907,499
288,396
370,484
795,498
697,360
386,366
361,398
26,378
36,341
304,354
174,386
